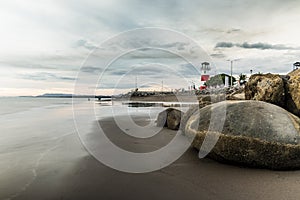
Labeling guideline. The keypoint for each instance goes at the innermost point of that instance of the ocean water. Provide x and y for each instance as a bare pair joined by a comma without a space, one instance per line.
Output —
28,120
10,105
39,136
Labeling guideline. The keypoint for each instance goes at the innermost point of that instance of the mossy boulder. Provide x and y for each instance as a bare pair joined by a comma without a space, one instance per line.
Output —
293,92
266,87
255,133
169,118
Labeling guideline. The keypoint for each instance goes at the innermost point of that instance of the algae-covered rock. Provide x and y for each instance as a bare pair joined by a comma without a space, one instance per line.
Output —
266,87
169,118
255,134
293,92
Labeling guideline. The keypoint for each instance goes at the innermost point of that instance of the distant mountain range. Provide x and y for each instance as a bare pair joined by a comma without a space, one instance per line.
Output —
60,95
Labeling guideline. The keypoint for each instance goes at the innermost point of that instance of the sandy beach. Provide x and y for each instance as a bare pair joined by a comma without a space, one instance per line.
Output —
68,172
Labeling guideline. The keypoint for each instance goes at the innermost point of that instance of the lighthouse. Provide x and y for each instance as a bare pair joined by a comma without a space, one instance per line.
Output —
205,68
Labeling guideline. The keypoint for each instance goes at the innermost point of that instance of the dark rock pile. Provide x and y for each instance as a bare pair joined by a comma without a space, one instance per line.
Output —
283,91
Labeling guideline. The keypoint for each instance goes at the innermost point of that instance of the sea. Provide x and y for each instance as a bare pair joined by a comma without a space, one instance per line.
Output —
37,134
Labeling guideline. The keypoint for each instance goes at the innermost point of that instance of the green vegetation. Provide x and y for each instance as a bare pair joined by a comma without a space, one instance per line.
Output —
242,77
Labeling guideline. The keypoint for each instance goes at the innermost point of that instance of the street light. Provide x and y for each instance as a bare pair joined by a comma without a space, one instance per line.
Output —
231,65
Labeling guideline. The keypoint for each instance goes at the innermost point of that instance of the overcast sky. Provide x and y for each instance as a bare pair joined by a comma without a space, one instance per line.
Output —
44,43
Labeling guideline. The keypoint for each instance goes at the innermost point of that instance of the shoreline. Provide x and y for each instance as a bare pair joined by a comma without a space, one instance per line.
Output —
67,171
187,178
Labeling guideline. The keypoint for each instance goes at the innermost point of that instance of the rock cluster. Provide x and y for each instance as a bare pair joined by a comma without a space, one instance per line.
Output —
283,91
263,133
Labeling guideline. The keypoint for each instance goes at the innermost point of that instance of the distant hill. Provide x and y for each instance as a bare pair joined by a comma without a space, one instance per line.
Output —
58,95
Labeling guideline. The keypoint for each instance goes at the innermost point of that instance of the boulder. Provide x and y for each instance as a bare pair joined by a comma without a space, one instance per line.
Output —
293,92
161,120
255,133
266,87
204,100
169,118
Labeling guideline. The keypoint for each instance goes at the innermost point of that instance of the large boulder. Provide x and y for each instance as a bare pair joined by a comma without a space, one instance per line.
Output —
255,133
169,118
266,87
293,92
204,100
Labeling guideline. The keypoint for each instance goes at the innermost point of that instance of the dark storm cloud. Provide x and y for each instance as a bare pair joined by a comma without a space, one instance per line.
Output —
224,45
259,45
263,46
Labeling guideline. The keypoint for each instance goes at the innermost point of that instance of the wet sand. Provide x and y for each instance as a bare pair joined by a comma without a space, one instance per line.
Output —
67,172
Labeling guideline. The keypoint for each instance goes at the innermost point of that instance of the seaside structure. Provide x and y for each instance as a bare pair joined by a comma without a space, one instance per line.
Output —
205,67
296,65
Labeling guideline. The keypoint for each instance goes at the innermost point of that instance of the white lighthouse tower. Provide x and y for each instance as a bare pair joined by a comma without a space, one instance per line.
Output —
205,68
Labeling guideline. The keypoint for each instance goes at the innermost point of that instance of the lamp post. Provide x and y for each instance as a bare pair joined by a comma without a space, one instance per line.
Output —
231,63
231,69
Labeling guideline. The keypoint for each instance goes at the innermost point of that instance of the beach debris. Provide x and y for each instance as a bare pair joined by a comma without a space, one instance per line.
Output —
169,118
255,133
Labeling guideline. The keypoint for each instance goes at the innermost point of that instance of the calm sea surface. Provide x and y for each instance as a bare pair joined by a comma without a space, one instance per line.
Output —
38,136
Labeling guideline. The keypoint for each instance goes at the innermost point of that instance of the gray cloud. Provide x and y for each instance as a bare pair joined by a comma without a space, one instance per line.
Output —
85,44
71,28
45,62
114,86
224,45
140,70
45,76
259,45
263,46
234,30
149,53
187,69
218,55
91,69
149,43
221,31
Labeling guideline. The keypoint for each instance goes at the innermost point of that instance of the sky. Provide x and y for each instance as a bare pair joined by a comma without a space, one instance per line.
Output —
47,45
